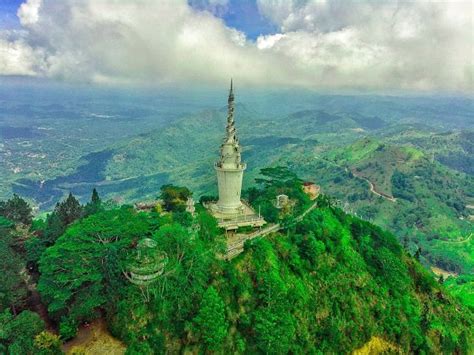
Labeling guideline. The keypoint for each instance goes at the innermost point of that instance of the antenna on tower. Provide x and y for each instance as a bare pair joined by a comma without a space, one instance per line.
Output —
231,92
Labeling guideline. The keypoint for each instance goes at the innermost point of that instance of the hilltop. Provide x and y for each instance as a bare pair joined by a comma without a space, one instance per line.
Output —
366,151
454,149
330,283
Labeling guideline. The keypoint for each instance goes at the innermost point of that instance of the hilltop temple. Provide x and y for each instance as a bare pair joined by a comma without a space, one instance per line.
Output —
230,210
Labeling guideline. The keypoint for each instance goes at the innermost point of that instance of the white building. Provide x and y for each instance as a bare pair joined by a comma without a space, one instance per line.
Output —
230,211
230,168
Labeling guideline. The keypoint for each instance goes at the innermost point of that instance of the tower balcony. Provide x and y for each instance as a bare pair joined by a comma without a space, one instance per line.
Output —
224,167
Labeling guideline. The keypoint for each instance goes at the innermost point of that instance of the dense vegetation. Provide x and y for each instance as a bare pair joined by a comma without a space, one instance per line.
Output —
21,330
430,208
330,283
418,149
274,182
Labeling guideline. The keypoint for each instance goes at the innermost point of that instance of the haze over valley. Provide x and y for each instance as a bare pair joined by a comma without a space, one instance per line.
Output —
226,176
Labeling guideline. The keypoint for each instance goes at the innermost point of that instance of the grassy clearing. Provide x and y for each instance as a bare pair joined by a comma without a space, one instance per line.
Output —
94,339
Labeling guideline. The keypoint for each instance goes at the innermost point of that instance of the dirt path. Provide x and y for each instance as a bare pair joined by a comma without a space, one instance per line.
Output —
34,301
372,188
354,172
445,273
459,241
94,339
35,305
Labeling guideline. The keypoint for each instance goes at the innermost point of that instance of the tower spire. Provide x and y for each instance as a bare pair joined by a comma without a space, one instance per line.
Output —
230,129
230,170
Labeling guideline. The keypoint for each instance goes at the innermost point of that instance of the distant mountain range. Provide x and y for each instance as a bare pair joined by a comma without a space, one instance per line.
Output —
402,163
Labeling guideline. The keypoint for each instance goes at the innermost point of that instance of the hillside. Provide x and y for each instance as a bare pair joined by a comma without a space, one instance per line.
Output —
182,152
399,188
454,149
330,283
386,167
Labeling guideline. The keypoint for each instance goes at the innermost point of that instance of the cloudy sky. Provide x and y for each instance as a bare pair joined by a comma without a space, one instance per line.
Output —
322,44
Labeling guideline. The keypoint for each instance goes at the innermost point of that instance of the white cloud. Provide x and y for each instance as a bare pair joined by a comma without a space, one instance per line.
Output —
401,44
28,12
327,43
17,57
269,41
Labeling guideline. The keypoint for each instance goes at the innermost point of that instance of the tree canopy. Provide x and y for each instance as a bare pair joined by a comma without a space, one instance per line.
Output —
210,322
17,333
13,290
16,209
69,210
327,284
78,268
174,197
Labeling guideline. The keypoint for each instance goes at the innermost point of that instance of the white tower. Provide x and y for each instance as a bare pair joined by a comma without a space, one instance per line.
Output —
230,168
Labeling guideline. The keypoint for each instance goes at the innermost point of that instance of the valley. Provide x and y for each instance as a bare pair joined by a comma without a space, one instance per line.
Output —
236,177
372,153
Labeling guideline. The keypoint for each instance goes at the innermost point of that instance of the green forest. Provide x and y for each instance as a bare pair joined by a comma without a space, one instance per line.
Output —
327,284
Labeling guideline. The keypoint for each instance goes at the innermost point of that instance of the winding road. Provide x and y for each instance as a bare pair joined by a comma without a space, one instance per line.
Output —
459,241
354,172
372,188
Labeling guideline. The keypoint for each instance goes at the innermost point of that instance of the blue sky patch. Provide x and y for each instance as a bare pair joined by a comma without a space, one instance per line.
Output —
8,18
242,15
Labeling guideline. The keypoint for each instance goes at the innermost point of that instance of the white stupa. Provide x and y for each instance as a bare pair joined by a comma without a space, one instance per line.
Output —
230,210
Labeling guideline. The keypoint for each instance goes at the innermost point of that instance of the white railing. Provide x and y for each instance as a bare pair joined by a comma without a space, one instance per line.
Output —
239,219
